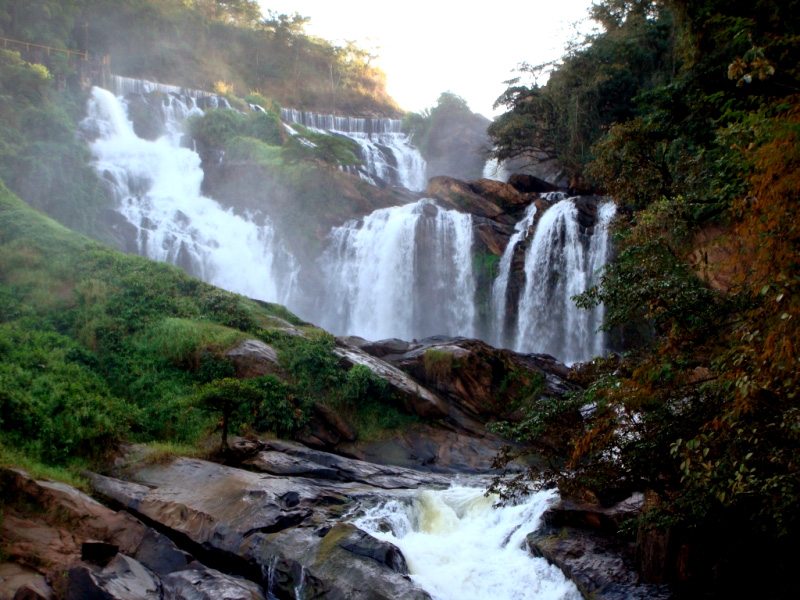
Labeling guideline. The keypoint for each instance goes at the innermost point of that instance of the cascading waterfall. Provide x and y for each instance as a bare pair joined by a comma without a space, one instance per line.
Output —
402,272
559,264
156,187
500,285
460,548
386,151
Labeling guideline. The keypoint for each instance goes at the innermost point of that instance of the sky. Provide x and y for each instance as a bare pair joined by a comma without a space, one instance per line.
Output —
426,47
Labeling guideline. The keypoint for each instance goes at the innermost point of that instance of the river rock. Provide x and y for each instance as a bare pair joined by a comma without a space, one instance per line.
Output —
581,538
600,566
253,358
123,579
200,583
275,528
279,457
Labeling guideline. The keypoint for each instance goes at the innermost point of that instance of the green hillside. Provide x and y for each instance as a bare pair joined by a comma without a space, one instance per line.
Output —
97,346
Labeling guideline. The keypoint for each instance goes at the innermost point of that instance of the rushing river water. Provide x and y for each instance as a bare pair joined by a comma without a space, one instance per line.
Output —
458,547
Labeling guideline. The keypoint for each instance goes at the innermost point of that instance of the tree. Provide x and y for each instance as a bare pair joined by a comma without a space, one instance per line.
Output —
226,396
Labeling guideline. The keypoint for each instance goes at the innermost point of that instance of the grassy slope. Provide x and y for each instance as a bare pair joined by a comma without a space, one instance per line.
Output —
98,346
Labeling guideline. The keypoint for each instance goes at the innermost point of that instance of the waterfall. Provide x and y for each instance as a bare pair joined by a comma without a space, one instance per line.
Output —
386,151
402,272
460,548
156,186
500,285
495,170
561,262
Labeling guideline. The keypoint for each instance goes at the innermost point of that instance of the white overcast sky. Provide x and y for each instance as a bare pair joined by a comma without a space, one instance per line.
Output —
430,46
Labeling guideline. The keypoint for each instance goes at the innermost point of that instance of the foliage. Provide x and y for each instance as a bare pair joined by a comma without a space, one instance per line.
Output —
438,364
705,415
227,396
252,150
99,346
322,149
592,88
216,128
361,387
40,157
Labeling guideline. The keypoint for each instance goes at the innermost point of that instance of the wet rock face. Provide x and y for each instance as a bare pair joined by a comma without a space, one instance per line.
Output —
581,539
279,530
107,554
147,115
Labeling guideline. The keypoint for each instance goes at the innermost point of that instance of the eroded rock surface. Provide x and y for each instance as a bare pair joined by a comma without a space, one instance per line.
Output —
581,539
51,529
281,529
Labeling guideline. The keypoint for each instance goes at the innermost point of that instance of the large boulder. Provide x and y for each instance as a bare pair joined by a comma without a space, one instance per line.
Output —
528,184
504,195
581,538
253,358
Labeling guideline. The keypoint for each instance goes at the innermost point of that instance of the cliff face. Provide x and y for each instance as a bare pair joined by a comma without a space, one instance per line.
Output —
456,145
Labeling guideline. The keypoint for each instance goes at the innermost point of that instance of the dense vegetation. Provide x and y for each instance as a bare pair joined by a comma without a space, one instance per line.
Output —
40,157
687,113
203,43
97,346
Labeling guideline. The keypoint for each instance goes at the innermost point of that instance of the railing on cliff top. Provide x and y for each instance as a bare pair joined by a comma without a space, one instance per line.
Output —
29,45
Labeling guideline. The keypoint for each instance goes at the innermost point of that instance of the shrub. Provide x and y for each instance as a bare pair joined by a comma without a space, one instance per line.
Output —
438,364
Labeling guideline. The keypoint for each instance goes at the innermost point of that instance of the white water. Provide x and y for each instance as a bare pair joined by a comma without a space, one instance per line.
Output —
386,151
500,285
496,171
460,548
402,272
156,187
559,264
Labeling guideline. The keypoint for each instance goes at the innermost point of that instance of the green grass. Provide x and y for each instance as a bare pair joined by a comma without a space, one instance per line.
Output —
38,470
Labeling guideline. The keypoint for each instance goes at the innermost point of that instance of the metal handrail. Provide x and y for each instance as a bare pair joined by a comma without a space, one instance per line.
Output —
28,45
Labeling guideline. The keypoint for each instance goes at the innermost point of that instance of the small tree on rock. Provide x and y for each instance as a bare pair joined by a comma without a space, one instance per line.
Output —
227,396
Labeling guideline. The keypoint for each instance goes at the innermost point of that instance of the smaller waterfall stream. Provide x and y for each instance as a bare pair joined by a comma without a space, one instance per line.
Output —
386,151
560,263
500,285
404,272
460,548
